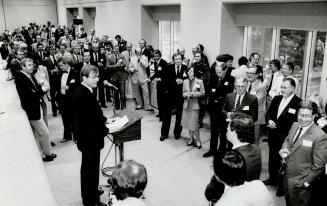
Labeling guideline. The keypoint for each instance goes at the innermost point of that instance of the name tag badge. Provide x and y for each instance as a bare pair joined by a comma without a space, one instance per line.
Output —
307,143
292,111
197,86
226,83
184,75
213,90
246,108
72,81
159,69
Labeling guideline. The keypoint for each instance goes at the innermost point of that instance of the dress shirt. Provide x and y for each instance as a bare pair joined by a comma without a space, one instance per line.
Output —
283,104
64,78
239,145
304,129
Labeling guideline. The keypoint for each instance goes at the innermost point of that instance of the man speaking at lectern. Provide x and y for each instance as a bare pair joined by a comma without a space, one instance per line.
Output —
90,124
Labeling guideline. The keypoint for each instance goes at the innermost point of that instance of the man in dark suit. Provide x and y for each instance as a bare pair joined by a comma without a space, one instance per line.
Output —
254,62
69,79
40,55
90,132
117,70
240,102
4,49
77,59
239,133
280,117
304,151
99,60
173,89
30,93
220,85
53,70
160,66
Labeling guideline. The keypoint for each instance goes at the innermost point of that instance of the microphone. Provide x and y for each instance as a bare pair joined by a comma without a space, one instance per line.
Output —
110,85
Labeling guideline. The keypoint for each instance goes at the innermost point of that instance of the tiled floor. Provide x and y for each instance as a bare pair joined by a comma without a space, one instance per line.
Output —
177,174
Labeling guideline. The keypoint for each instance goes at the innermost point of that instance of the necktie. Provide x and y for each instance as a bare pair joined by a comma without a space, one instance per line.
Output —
96,57
219,81
272,78
116,55
250,87
297,136
238,104
177,70
54,60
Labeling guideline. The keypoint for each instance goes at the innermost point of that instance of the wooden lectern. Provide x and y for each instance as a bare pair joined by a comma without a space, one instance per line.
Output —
129,132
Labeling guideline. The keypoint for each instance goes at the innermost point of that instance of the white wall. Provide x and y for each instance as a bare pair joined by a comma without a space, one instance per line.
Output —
112,17
200,23
19,12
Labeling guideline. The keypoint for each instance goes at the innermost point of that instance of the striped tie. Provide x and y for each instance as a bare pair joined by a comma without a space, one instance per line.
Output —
238,104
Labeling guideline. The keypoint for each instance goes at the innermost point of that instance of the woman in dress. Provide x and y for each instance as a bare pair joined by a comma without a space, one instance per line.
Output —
193,88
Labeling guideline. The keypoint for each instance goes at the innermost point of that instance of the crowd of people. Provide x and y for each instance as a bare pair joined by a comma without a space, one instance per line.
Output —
79,72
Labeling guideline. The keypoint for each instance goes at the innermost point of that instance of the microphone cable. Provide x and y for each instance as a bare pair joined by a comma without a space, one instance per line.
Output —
105,170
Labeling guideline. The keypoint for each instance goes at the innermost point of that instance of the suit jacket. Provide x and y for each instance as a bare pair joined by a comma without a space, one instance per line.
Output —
38,58
4,51
51,65
159,70
170,86
102,60
259,90
252,156
77,63
139,69
116,69
197,91
127,57
249,105
218,92
308,156
89,120
30,94
73,80
287,117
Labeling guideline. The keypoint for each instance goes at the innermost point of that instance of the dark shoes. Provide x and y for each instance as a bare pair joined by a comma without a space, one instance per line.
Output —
177,136
269,182
162,138
104,106
190,143
49,158
208,154
52,144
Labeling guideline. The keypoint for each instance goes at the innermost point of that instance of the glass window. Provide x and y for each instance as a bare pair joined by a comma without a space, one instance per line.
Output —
170,35
315,72
260,41
292,48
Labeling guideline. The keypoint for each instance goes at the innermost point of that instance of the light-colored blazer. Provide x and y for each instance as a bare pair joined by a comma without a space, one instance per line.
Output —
127,57
307,157
258,89
138,68
197,91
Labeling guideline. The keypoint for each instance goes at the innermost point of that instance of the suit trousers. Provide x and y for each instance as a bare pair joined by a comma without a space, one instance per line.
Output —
99,92
217,129
90,169
66,109
54,91
275,142
142,97
169,103
42,135
160,99
297,196
120,95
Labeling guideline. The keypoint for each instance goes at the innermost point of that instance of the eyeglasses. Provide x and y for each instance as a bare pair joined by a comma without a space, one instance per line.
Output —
250,73
94,77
